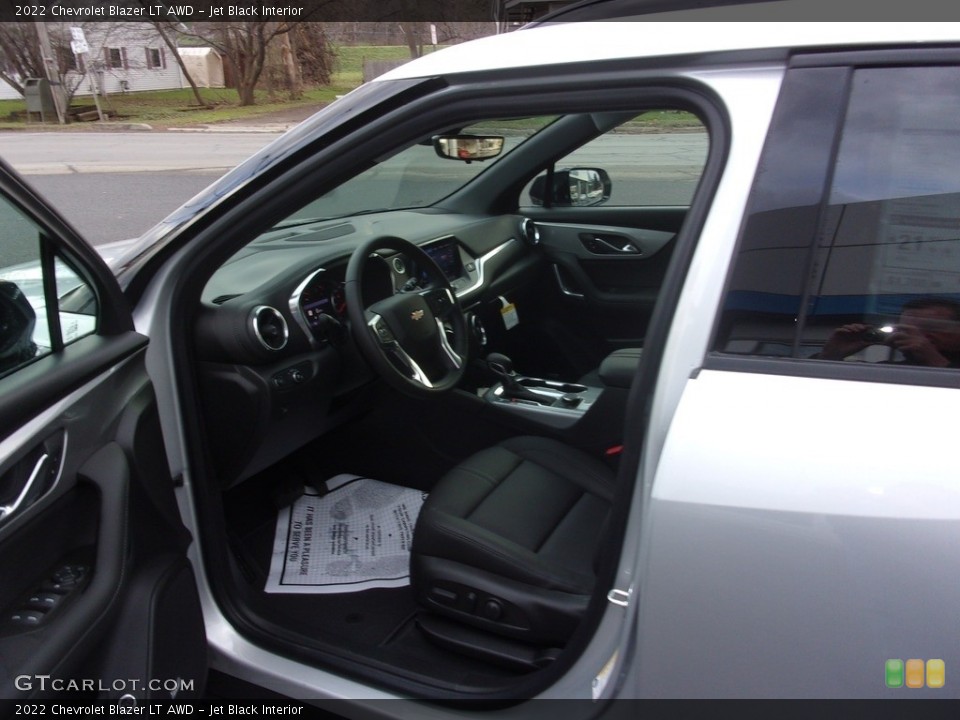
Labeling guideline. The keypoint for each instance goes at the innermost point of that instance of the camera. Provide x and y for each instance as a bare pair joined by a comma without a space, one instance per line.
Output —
879,334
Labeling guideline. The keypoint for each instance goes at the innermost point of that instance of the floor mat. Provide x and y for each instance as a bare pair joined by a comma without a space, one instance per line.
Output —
355,537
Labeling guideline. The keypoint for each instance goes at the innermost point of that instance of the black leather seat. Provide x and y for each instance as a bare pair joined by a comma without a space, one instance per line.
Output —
616,370
507,540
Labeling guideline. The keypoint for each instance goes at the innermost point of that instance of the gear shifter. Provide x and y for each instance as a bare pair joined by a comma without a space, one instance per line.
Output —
502,367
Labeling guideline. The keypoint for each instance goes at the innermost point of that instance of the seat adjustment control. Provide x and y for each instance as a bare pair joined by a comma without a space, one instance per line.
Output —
491,610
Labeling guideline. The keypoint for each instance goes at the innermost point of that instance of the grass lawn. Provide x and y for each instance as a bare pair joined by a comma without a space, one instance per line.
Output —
655,120
349,69
178,107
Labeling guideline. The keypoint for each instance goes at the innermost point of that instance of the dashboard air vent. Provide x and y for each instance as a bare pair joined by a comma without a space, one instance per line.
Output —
530,232
269,327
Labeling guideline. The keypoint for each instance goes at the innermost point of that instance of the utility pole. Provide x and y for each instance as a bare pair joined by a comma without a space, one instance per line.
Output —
52,71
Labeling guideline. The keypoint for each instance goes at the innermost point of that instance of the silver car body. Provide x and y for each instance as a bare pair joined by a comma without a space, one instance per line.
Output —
788,534
791,533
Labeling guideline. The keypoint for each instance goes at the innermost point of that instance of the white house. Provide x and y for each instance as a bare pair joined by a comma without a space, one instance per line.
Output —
123,57
126,57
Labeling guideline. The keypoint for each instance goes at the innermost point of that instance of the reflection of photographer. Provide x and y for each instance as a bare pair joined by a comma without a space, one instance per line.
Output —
927,333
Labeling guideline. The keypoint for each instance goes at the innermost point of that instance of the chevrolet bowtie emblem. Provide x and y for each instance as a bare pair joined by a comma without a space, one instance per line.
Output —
416,315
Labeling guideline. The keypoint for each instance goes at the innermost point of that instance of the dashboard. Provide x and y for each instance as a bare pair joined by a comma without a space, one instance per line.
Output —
274,352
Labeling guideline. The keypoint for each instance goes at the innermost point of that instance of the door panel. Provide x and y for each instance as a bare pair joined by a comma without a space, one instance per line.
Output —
98,558
603,271
606,264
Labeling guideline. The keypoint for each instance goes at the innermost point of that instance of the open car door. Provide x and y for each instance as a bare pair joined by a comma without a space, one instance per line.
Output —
97,598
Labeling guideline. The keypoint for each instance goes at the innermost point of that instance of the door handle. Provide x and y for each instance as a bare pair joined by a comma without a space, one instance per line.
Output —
557,273
38,469
609,244
32,477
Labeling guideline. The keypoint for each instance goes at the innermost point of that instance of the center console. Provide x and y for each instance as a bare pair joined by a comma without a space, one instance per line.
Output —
554,404
588,415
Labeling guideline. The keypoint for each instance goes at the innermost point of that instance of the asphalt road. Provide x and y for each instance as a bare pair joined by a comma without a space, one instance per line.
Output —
53,153
106,207
115,186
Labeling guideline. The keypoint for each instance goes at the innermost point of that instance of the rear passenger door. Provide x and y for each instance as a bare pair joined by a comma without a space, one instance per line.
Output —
808,485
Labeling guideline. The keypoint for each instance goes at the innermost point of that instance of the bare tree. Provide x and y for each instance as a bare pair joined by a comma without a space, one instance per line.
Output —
411,33
291,68
243,45
281,69
164,30
451,33
313,52
20,55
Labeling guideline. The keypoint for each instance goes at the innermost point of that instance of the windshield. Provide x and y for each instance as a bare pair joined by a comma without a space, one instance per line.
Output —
416,176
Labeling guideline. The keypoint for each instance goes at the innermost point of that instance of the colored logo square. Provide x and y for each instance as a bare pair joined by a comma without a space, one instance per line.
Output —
914,674
894,673
936,673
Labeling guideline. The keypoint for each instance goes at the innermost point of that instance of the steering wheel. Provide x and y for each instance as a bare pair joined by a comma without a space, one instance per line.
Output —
404,337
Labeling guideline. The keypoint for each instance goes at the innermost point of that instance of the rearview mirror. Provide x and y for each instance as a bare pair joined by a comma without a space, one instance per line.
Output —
468,147
574,187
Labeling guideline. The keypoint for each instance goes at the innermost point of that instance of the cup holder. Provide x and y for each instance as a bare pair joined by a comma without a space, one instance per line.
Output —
553,385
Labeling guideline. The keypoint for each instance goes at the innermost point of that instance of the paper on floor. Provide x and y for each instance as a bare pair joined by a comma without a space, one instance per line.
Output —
355,537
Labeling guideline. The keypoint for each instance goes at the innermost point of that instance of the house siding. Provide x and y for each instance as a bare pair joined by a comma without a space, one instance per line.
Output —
133,73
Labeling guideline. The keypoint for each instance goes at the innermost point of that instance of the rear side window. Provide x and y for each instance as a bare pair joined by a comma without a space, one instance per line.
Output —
868,271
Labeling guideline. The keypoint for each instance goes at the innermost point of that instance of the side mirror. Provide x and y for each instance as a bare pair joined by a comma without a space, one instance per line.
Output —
17,321
468,147
575,187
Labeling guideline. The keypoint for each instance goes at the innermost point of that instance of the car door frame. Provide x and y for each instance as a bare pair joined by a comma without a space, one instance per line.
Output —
242,648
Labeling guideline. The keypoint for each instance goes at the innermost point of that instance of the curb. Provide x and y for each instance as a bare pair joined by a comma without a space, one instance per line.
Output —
85,169
276,128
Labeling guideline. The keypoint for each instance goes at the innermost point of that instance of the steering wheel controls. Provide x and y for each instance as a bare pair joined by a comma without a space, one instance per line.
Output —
382,331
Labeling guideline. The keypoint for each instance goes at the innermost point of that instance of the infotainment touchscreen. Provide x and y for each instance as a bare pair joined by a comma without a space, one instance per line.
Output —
446,254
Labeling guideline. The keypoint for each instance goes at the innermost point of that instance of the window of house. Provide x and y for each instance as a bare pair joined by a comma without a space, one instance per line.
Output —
879,280
116,58
155,58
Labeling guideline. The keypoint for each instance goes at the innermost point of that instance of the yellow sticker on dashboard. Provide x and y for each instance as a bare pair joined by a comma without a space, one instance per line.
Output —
508,312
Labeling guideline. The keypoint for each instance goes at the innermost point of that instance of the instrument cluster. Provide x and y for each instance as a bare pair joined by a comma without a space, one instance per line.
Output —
319,304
